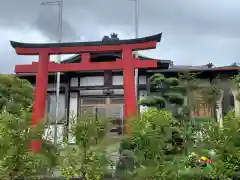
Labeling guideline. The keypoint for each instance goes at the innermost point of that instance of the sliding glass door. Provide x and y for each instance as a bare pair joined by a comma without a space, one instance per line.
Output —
113,112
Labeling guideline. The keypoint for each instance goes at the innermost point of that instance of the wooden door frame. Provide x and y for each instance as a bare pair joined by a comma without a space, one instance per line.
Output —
106,106
107,103
108,109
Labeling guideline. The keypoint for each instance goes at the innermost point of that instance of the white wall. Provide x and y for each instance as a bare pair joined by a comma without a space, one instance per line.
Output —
74,82
51,105
53,86
142,80
91,92
73,105
236,102
99,92
92,81
118,80
118,91
49,133
142,95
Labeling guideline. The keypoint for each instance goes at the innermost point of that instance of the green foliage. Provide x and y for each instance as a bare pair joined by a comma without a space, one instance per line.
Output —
153,101
237,82
86,158
189,79
212,93
229,116
166,90
126,164
225,142
158,147
156,133
190,83
15,93
16,160
209,94
15,157
149,140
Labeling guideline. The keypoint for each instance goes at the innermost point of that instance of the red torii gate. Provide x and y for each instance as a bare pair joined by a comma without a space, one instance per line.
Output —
128,63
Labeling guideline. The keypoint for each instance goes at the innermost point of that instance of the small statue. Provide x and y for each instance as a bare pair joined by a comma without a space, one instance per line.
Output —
206,162
126,160
113,37
203,161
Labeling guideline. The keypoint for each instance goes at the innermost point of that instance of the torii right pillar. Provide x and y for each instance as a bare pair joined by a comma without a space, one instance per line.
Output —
128,65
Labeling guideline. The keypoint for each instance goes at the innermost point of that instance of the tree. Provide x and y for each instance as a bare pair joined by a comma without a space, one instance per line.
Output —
234,64
86,158
212,94
209,93
16,160
224,142
15,94
237,83
150,140
191,85
166,90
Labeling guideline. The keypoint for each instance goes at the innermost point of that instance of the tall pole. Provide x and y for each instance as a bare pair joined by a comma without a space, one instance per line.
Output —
136,9
60,14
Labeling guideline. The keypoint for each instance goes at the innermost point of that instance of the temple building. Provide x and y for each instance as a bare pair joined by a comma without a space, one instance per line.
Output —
101,92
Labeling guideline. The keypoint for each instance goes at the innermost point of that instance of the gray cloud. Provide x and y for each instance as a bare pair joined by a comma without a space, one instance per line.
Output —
47,23
194,32
31,13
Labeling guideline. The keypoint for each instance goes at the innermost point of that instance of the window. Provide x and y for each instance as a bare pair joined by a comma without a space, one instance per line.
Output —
117,80
51,108
92,111
86,111
100,111
116,112
93,101
49,133
92,81
118,100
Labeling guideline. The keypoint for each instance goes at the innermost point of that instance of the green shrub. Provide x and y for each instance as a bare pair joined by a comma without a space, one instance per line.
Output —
15,93
164,90
157,132
148,140
86,158
16,159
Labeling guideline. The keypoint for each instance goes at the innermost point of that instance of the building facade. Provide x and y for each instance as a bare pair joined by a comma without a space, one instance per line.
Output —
100,93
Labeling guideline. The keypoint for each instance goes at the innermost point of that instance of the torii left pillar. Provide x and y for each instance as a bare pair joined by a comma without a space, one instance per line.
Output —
40,94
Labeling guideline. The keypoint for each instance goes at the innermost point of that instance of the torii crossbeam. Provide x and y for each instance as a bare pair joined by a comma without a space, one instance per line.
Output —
127,64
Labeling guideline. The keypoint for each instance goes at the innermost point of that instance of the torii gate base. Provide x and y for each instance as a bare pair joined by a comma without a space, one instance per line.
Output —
128,63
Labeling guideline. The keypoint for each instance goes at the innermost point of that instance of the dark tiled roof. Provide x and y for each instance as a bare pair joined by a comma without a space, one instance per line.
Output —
156,37
197,69
76,58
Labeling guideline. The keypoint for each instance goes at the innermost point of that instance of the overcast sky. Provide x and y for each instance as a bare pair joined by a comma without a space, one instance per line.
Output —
195,32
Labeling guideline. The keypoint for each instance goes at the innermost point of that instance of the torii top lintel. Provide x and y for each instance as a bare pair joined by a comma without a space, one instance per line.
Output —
148,42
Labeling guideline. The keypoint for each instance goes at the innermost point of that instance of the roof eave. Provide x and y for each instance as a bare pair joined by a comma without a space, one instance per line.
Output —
156,37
